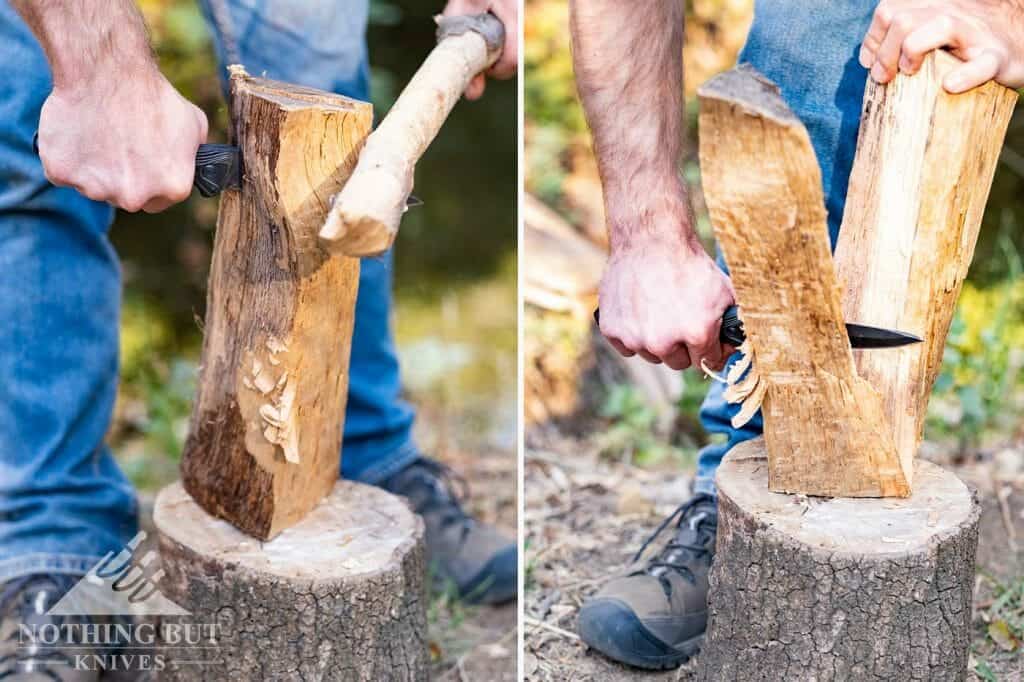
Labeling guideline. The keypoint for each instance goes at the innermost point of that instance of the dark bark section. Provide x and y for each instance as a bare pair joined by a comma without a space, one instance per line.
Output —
220,475
370,627
784,610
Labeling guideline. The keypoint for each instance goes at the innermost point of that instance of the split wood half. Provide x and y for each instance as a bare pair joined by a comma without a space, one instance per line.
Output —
365,217
921,177
823,424
265,436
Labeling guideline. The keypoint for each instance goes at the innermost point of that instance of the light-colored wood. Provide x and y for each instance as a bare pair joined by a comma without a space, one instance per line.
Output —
921,177
564,268
265,436
823,424
364,219
341,595
839,589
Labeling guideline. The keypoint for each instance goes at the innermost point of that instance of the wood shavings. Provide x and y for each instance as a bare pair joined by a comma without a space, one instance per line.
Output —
274,345
279,416
264,383
277,421
271,415
751,405
743,385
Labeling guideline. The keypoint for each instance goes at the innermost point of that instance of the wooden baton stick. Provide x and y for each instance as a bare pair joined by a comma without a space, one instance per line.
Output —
364,218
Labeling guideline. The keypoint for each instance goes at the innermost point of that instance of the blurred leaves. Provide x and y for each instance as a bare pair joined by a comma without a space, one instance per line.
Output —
979,387
632,432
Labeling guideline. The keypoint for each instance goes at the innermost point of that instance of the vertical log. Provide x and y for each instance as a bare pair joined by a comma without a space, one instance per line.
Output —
265,435
921,177
823,424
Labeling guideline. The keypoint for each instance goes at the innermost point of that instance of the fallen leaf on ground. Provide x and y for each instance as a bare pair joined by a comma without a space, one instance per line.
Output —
1001,634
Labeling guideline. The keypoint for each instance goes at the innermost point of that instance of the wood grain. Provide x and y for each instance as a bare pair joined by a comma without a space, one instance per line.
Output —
824,427
265,434
921,177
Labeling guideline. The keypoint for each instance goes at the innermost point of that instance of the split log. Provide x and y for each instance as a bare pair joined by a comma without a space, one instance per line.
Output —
841,589
823,424
265,436
339,596
921,177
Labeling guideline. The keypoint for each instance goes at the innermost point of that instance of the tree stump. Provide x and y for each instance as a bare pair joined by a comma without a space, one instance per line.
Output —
839,589
338,596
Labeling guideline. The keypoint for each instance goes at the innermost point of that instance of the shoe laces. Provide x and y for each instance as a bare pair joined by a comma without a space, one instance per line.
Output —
12,596
444,493
673,555
23,598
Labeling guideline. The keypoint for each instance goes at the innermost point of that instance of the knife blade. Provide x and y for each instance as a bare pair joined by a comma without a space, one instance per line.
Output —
861,336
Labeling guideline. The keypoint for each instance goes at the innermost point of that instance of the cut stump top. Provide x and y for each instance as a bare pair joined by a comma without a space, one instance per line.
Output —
939,507
356,530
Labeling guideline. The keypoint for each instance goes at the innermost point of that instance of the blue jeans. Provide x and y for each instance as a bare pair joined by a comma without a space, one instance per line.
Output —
809,49
63,501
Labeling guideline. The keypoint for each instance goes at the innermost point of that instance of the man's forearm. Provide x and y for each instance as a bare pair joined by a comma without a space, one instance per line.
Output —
628,62
80,37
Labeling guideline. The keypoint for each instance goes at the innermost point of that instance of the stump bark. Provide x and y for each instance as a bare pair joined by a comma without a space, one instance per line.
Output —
338,596
839,589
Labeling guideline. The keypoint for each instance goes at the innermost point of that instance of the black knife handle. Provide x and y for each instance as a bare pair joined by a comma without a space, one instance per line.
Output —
215,164
732,327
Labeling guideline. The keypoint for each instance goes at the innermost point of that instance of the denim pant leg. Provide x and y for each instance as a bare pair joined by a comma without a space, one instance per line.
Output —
323,45
809,49
63,501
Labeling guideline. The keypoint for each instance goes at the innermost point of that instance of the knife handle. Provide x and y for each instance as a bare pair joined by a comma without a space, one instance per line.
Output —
215,163
732,327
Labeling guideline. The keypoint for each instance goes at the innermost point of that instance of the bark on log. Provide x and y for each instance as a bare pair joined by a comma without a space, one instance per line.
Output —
823,424
265,434
841,589
339,596
921,176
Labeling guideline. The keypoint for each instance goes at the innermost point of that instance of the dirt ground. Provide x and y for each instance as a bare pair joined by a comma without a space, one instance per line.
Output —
478,643
585,517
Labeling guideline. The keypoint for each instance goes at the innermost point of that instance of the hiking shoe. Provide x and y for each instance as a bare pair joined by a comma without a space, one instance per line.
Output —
474,558
654,615
25,601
